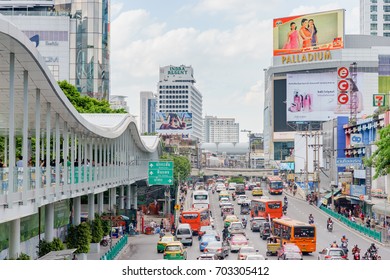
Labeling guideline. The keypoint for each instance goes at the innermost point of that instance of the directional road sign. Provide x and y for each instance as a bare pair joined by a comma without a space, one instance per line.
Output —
160,173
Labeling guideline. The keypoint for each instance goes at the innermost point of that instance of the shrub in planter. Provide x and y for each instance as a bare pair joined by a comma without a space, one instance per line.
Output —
97,229
45,247
79,237
23,256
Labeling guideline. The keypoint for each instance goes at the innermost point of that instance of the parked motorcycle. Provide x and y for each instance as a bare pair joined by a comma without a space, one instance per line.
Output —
105,241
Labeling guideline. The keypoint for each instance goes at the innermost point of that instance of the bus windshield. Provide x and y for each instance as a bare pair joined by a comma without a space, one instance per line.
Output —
276,185
274,205
302,231
190,216
200,196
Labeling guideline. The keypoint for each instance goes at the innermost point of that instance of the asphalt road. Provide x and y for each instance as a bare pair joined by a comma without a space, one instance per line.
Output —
143,247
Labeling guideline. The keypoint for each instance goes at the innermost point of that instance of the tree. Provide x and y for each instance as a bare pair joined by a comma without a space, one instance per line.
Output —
181,166
45,247
97,229
380,159
79,237
86,104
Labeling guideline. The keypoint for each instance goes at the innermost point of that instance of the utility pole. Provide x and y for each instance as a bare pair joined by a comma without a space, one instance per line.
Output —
306,162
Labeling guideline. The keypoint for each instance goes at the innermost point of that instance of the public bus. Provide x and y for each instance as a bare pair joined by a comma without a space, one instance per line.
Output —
196,218
266,208
297,232
274,185
200,199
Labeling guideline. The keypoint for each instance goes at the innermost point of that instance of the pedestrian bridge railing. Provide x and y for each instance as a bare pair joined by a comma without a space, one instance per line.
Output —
115,250
360,228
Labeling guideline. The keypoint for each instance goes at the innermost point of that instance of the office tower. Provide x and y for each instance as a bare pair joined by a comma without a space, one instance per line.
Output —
375,17
221,130
147,112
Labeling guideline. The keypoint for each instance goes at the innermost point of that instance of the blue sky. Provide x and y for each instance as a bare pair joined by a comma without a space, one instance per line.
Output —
227,42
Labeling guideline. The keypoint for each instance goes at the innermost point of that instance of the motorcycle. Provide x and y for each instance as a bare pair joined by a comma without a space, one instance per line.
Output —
344,246
213,191
244,222
105,240
330,227
311,221
356,253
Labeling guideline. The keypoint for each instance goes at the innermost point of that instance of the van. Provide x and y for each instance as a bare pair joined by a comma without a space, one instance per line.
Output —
184,234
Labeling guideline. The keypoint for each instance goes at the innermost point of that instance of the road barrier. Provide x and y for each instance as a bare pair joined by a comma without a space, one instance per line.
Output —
361,228
115,250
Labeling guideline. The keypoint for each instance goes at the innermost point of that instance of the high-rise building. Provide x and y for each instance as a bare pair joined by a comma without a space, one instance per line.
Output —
85,33
176,93
221,130
119,102
375,17
147,112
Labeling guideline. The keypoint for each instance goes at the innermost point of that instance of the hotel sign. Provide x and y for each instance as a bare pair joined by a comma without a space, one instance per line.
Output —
306,57
173,70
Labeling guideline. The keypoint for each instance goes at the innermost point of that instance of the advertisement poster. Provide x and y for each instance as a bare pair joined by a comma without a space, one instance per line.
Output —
173,123
314,97
308,33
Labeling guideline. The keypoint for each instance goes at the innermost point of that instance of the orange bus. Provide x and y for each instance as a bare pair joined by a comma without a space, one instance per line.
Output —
274,185
267,208
196,218
299,233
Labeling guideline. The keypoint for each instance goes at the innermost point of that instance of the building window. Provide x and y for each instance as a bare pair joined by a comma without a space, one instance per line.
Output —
386,17
386,26
374,17
386,34
374,26
373,1
386,9
386,1
373,8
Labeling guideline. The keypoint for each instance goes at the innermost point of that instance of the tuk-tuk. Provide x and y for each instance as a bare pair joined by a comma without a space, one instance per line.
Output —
245,208
273,244
227,210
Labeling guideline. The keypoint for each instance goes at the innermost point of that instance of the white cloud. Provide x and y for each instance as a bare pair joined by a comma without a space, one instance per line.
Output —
116,8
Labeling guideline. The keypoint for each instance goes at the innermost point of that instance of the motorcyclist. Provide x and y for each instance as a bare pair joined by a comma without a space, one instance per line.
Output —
311,219
285,200
285,208
344,239
225,233
334,245
373,249
329,222
244,222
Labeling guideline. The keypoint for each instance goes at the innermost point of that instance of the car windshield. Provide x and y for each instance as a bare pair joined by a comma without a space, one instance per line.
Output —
167,239
337,253
239,238
236,226
183,231
172,248
247,250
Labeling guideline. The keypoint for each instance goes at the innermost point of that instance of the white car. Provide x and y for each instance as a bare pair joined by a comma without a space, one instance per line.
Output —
223,200
254,257
212,222
220,187
241,198
232,186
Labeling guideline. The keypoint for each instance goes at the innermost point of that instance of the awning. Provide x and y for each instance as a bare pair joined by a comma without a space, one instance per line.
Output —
381,208
329,195
353,199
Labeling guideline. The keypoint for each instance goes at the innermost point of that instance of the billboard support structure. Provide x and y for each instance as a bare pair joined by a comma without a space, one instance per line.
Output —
353,94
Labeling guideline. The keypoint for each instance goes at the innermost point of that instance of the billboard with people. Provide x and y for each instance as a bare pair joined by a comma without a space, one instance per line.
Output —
308,33
173,123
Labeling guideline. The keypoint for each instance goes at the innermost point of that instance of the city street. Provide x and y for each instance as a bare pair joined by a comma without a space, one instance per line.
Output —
143,247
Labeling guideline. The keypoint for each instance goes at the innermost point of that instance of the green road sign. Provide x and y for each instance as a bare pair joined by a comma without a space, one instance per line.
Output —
160,173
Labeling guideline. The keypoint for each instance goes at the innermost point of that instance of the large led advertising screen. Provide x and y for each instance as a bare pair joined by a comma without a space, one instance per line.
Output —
308,33
173,123
316,97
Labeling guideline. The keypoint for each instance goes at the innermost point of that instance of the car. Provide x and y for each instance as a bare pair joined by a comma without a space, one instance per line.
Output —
251,186
212,222
163,241
184,234
213,232
207,257
204,241
175,251
244,251
241,198
257,191
236,228
223,194
223,200
255,257
202,230
255,223
332,254
236,242
220,187
265,230
229,219
289,251
219,248
232,186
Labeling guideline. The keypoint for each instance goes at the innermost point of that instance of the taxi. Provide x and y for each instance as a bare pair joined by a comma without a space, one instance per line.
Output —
230,219
163,241
257,191
175,251
223,194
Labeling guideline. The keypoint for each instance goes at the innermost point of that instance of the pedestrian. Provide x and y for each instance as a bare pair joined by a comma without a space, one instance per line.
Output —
162,224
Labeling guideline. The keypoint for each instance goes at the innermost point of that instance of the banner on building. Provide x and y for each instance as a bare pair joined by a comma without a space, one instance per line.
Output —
173,123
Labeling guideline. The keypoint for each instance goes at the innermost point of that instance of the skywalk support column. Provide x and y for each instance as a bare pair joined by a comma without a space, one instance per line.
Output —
25,133
11,134
58,153
77,210
37,141
91,206
14,239
122,197
100,203
128,197
49,222
48,132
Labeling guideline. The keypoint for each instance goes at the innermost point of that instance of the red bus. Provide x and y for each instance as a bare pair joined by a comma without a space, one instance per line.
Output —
274,185
266,208
196,218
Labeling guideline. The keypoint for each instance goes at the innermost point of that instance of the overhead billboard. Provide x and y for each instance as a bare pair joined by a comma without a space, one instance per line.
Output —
316,97
308,33
173,123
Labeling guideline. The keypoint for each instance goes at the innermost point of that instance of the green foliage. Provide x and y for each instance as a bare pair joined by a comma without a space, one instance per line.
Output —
45,247
23,257
86,104
79,237
237,180
380,159
106,227
97,229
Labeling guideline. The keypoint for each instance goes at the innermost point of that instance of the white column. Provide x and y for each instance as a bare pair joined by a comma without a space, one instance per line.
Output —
72,157
26,170
100,202
48,132
66,156
112,199
49,222
122,197
91,206
128,197
37,141
57,151
14,239
11,123
77,210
